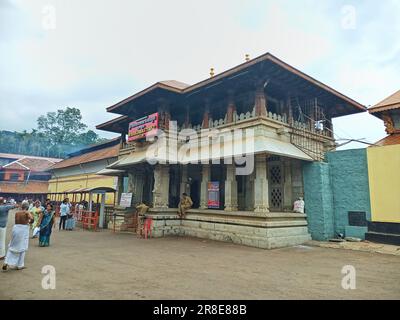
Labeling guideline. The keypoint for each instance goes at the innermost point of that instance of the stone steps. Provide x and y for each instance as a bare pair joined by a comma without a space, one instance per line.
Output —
386,238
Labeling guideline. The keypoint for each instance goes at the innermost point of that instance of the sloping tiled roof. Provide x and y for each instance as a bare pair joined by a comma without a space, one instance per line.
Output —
181,88
20,156
34,187
15,165
101,154
175,84
389,140
391,102
30,164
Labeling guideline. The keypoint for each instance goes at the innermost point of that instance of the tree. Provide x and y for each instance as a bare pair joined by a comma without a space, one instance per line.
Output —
88,138
58,134
63,126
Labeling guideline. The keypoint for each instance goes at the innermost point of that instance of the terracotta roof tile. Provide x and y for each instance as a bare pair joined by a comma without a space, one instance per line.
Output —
30,164
32,187
389,140
20,156
391,102
15,166
106,153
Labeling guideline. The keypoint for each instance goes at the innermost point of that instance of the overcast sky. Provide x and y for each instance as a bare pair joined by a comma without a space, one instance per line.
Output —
91,54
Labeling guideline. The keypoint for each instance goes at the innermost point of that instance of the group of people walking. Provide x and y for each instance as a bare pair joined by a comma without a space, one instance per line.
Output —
32,218
39,220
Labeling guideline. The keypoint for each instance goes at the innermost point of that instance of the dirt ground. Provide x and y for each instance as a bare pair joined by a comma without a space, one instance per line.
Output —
104,265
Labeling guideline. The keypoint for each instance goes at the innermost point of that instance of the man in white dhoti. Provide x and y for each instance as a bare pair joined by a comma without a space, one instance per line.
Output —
4,211
19,240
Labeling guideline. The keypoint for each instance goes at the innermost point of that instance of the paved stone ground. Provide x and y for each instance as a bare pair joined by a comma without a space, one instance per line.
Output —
104,265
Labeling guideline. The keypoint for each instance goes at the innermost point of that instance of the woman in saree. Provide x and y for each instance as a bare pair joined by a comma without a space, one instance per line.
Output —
36,211
46,223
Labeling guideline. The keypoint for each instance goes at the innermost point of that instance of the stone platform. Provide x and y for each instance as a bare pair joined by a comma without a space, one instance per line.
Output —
261,230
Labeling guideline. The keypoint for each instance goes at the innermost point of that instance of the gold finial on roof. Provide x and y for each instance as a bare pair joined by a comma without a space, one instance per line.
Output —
212,73
247,57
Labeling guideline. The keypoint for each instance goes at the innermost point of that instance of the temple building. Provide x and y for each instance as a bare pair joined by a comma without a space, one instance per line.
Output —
24,176
384,175
235,142
76,176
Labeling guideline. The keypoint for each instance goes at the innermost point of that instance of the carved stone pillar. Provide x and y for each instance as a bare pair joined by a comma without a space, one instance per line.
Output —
139,187
184,186
120,189
205,178
135,186
249,192
161,187
261,192
231,194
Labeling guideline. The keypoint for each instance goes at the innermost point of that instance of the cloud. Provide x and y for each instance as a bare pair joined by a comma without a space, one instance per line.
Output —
102,51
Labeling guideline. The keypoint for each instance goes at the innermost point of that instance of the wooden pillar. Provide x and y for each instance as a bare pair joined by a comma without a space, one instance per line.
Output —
290,111
164,114
260,99
187,117
206,115
231,107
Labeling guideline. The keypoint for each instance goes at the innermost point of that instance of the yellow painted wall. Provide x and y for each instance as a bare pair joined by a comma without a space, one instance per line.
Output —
83,181
384,183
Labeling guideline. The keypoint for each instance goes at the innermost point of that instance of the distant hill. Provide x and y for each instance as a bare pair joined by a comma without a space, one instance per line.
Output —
34,144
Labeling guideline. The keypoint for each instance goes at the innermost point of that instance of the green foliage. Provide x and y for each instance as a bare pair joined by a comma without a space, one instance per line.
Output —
57,134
